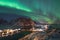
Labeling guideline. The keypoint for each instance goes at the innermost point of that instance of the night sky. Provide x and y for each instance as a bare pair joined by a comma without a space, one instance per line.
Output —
38,10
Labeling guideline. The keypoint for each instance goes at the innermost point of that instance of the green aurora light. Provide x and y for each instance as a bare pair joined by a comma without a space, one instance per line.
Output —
45,6
14,4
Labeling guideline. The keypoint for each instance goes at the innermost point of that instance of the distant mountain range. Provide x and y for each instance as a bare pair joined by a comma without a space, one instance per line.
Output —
14,22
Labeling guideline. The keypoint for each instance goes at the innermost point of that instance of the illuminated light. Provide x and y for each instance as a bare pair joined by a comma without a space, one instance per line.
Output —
38,30
8,30
11,31
46,27
19,29
0,30
2,34
16,29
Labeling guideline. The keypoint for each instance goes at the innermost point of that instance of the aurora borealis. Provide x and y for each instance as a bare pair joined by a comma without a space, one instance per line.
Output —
38,10
13,4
